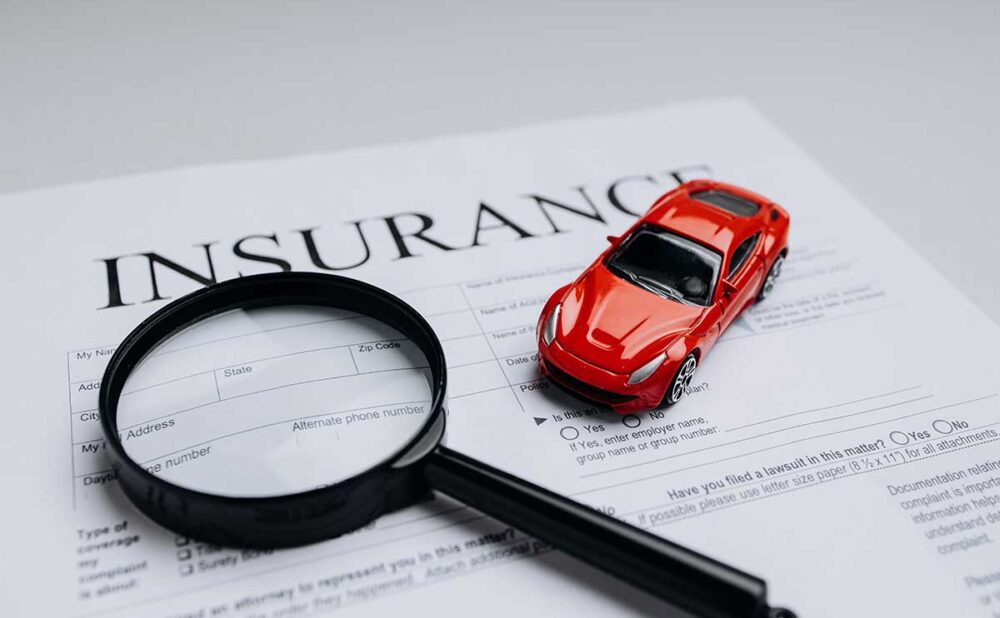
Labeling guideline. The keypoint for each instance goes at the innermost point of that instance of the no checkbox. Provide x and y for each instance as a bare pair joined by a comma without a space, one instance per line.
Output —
943,426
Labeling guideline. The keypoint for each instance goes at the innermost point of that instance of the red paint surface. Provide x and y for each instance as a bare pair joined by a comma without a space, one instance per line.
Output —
609,327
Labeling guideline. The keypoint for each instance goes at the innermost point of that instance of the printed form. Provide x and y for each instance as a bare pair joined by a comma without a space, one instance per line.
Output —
841,441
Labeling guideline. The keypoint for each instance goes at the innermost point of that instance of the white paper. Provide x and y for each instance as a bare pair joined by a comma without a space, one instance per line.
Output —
841,441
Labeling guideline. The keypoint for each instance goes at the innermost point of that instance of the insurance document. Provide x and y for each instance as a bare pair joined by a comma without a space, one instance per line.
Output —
842,440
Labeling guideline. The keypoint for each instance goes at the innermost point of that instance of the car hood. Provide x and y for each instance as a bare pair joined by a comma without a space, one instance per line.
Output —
616,325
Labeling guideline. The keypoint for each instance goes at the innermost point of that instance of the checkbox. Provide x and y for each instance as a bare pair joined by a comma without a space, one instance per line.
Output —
183,554
186,569
181,541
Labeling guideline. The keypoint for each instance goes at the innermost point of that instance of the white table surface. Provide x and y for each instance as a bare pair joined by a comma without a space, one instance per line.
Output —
898,100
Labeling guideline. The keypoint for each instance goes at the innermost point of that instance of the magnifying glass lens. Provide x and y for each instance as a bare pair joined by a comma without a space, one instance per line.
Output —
274,401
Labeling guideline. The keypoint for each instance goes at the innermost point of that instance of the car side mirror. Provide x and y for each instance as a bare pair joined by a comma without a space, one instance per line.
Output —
728,289
613,239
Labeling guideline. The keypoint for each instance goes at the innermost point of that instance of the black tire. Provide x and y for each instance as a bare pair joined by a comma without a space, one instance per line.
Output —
767,286
681,380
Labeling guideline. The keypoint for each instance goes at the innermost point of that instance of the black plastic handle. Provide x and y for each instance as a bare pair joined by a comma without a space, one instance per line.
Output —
683,578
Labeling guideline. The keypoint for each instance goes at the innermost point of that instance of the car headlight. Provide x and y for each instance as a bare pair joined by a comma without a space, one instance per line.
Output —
646,370
549,332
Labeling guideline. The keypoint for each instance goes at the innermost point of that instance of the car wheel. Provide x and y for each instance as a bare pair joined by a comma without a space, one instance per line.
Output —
771,278
682,380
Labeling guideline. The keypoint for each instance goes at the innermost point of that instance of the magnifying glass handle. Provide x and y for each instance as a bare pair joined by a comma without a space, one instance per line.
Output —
683,578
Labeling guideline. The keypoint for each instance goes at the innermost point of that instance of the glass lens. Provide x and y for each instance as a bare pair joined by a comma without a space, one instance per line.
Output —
266,402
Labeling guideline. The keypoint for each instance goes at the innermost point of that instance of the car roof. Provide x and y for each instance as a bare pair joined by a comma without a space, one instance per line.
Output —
712,226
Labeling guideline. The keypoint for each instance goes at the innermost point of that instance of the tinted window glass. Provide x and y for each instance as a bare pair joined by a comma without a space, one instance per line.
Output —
666,264
728,202
741,254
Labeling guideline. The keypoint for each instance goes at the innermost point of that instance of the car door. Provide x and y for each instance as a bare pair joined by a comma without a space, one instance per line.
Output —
743,276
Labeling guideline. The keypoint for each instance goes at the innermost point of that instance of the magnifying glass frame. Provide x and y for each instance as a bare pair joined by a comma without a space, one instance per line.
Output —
684,578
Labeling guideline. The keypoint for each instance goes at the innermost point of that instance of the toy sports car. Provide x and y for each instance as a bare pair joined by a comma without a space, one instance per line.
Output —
631,330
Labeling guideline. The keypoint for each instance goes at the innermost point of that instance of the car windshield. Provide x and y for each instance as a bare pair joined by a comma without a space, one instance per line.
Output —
666,264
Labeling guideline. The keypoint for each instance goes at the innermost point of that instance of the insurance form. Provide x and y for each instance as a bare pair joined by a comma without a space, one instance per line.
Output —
842,440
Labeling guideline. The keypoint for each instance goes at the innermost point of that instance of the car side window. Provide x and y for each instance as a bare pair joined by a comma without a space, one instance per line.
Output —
741,254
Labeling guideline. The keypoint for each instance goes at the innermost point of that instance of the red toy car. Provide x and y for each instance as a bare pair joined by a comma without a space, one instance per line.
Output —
631,330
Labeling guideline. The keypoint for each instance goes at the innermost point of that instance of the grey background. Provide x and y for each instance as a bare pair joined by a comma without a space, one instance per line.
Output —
898,100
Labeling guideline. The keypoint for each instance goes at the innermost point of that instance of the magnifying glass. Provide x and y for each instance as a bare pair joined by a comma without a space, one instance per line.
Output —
284,409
